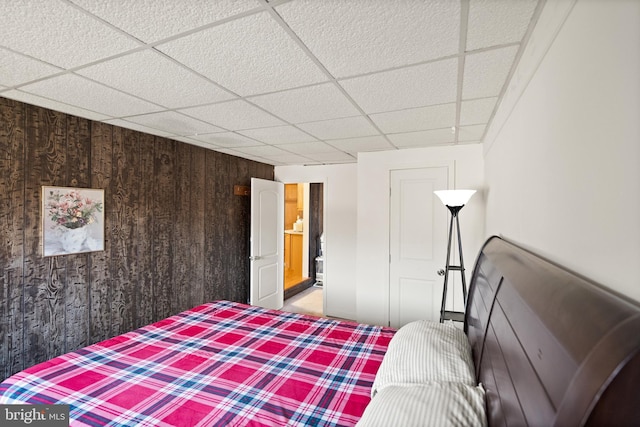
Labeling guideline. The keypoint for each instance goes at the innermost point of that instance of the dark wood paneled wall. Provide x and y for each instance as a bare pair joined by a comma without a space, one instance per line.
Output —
176,236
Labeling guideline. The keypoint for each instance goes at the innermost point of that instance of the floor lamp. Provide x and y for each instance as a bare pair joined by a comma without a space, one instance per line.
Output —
454,200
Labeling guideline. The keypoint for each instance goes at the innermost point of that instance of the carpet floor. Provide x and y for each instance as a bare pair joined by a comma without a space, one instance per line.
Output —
308,301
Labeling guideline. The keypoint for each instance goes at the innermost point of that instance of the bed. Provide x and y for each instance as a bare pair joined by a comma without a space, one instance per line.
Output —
219,364
540,346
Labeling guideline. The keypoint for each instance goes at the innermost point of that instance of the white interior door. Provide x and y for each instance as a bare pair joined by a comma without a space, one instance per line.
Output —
418,238
267,244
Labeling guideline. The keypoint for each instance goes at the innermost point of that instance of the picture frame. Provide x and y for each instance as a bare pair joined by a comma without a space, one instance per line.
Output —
72,220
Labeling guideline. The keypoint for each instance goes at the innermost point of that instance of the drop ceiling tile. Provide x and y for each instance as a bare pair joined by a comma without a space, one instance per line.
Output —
174,87
236,153
227,139
267,151
422,138
334,157
476,111
367,143
239,55
485,73
349,127
17,69
153,20
53,105
57,33
497,22
414,119
83,93
470,133
308,104
234,115
361,36
290,159
305,148
278,135
175,123
421,85
140,128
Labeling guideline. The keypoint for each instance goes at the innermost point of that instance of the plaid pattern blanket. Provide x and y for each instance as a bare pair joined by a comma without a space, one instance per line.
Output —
219,364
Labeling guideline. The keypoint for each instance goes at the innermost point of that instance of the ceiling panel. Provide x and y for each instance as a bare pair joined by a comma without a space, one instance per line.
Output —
422,138
339,128
498,22
278,135
153,20
173,122
174,87
485,73
417,86
227,139
58,33
248,56
413,119
51,104
308,104
362,144
477,111
22,69
75,90
359,36
233,115
307,148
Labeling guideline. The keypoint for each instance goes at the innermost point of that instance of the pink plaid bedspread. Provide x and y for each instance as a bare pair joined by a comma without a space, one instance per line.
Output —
219,364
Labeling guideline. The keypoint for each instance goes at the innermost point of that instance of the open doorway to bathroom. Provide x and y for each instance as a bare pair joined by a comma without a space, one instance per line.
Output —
303,224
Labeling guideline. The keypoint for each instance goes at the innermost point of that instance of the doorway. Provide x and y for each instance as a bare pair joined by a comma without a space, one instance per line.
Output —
303,227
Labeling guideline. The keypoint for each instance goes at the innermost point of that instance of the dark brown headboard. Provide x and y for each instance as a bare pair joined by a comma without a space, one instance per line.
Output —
551,348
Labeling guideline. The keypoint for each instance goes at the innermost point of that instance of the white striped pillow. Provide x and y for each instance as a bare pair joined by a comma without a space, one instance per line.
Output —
425,352
446,404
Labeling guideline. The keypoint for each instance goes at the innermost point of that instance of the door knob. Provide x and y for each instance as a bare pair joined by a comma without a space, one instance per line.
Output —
441,272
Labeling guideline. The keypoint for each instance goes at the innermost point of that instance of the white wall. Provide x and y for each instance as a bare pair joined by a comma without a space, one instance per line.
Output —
374,169
339,231
563,170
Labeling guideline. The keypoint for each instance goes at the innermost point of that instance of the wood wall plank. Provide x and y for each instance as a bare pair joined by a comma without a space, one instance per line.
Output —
123,198
77,296
181,280
197,220
12,170
164,209
44,317
145,296
99,262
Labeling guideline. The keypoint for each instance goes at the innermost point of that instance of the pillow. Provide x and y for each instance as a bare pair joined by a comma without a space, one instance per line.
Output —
446,404
423,352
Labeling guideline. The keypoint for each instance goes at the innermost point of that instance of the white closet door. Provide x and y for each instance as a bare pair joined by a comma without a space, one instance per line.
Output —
418,239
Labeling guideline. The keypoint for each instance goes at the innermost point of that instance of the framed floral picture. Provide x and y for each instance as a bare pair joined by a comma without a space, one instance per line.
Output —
72,220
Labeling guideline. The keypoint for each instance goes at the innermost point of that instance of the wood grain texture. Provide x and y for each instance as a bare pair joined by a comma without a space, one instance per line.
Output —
145,284
175,235
100,273
77,296
163,226
44,317
12,169
123,197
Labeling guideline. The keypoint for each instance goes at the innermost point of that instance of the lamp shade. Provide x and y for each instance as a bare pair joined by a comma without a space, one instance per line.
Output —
454,197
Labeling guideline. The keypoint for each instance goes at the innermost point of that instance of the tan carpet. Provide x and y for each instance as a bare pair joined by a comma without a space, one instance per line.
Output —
308,301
